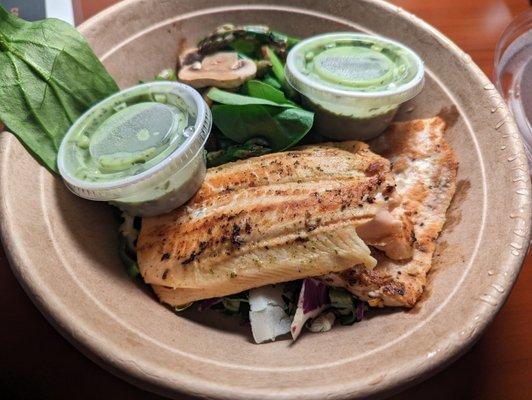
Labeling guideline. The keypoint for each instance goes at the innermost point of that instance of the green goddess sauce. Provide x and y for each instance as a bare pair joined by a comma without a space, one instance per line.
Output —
358,65
141,149
353,82
127,140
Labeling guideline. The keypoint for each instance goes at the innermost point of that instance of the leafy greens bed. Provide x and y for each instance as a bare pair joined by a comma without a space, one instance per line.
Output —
263,114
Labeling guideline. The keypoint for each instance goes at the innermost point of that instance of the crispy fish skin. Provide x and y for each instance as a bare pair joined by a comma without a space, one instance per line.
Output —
425,169
269,219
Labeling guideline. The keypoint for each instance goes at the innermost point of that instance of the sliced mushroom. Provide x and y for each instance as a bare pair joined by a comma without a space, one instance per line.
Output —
223,70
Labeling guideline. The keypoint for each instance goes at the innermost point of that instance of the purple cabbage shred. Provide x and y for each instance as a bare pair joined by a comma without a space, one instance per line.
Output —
315,294
360,310
208,303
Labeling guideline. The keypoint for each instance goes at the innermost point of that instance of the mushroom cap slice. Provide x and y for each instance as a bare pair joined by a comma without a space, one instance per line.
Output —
223,70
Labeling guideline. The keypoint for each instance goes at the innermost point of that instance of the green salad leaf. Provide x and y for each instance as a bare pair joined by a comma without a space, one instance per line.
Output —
272,81
255,88
347,308
50,76
235,99
234,304
281,127
271,117
246,47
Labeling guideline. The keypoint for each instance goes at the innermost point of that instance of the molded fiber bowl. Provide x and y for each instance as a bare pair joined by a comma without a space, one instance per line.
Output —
64,249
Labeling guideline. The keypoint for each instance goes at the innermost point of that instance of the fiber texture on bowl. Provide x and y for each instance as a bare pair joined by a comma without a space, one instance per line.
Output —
64,249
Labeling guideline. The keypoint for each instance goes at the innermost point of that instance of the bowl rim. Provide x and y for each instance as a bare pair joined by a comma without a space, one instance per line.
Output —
99,350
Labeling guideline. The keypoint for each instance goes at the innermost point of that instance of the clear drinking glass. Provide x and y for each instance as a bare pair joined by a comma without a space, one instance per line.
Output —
513,74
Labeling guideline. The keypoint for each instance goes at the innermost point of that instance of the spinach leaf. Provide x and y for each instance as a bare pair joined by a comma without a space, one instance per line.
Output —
229,98
268,115
265,91
281,126
50,76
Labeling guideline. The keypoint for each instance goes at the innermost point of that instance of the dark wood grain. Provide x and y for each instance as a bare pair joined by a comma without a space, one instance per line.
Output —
37,363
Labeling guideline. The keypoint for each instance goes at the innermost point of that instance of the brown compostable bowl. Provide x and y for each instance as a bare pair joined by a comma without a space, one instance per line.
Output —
63,249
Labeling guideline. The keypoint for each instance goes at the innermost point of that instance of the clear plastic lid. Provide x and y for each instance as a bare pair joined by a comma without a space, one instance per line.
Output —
134,140
513,74
354,69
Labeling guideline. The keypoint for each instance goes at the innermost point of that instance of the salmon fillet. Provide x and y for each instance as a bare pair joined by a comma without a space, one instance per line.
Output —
425,168
265,220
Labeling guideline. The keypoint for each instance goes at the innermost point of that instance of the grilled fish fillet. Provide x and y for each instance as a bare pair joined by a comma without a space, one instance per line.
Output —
269,219
424,167
390,230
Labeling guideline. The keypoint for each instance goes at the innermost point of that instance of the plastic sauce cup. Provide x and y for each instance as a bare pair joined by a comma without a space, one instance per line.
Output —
353,82
141,149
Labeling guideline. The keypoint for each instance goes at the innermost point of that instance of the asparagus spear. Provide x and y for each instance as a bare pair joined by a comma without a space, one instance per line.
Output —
253,35
278,72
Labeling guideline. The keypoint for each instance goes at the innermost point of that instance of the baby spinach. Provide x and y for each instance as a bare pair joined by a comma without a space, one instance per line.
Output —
271,117
263,90
49,77
235,99
245,47
282,127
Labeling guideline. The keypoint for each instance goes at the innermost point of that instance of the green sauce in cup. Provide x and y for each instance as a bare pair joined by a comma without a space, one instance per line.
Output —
128,139
141,149
353,82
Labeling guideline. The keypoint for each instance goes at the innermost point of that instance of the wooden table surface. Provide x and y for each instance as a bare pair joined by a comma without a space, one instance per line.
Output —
37,363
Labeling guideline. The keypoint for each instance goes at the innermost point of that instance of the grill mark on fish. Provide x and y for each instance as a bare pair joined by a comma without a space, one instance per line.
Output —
238,246
267,214
222,225
257,173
